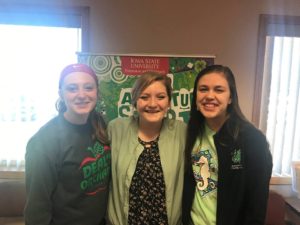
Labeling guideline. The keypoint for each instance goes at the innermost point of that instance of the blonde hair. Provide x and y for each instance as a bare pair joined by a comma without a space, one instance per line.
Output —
145,80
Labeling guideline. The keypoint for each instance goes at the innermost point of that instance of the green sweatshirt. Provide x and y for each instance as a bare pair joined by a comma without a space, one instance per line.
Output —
67,175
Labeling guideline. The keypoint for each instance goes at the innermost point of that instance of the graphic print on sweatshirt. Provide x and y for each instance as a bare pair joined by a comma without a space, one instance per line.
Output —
204,169
95,169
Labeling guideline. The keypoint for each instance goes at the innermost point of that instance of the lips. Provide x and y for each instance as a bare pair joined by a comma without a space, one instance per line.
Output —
81,103
152,111
209,106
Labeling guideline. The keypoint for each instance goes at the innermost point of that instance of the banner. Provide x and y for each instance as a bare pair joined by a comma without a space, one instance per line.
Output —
117,75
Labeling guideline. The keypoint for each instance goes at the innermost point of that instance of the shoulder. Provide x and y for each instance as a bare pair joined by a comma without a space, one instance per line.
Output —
250,133
254,141
45,138
121,122
47,130
122,125
256,148
174,125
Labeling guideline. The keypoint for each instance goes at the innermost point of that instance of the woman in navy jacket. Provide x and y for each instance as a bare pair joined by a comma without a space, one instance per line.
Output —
228,162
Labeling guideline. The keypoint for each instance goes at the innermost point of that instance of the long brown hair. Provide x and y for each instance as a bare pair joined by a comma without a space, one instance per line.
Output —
197,120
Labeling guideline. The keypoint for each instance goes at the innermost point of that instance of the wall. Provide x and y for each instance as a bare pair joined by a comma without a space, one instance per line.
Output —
227,29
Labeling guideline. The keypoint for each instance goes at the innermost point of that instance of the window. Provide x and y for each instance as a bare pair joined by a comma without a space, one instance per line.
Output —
36,43
277,90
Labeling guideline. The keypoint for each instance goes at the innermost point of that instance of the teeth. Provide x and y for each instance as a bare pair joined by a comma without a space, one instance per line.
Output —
149,111
210,106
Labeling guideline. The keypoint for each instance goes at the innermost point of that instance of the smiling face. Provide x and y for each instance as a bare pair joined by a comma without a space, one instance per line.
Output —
153,103
213,98
79,93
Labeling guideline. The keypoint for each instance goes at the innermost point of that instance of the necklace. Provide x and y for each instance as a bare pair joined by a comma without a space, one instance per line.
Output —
149,144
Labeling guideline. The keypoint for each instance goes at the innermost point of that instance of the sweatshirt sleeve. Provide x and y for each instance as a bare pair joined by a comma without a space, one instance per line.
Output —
41,179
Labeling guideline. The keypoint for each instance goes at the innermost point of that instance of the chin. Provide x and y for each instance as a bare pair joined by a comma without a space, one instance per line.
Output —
209,115
83,110
83,113
157,120
153,119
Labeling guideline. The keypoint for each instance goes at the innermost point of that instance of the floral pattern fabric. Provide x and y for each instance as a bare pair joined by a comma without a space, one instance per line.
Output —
147,197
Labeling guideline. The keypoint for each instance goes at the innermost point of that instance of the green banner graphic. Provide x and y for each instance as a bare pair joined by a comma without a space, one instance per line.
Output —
117,75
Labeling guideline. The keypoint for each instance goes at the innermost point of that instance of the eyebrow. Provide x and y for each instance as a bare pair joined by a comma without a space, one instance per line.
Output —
158,93
217,86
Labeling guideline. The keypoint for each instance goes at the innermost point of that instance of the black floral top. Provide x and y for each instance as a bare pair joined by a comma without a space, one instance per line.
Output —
147,195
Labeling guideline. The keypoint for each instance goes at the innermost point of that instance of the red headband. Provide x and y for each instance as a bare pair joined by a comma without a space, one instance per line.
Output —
78,67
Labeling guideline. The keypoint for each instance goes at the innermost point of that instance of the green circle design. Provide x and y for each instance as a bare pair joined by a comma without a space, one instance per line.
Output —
117,76
101,64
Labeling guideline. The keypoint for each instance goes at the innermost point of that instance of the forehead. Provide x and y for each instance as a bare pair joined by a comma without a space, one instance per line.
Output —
156,86
213,78
79,77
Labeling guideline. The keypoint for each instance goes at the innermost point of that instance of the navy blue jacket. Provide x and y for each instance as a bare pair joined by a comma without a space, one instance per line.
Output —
243,186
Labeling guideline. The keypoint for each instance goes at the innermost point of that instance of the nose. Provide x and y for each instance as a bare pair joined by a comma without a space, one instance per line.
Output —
210,95
152,102
81,93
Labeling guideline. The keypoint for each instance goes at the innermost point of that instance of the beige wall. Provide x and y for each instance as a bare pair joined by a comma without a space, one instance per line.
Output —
227,29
